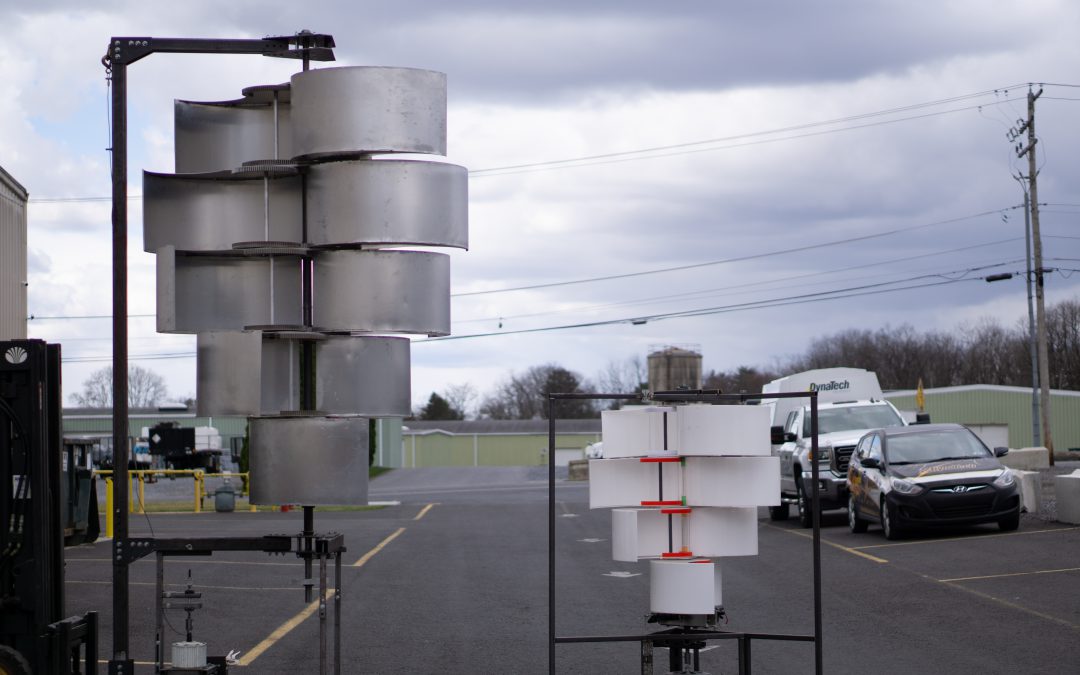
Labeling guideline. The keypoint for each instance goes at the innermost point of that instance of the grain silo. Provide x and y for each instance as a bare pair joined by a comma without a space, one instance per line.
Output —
13,198
674,367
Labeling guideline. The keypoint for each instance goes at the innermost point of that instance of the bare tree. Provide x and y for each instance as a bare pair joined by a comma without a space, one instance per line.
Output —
525,396
629,376
461,397
744,379
1063,344
145,388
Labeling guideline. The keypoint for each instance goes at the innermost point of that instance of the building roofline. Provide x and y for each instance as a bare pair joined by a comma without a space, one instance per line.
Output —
977,387
15,185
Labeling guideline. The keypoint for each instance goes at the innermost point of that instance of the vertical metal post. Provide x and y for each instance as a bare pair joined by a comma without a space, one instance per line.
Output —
646,657
159,615
120,662
675,656
744,655
816,517
322,613
551,535
306,536
337,613
91,643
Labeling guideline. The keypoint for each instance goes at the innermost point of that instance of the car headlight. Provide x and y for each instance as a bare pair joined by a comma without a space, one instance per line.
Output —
824,453
906,487
1005,479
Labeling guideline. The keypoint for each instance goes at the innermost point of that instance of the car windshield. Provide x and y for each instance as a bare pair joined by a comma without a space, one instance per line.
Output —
934,446
851,418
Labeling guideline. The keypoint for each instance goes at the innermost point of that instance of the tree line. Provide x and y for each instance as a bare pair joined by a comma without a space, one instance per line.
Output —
985,352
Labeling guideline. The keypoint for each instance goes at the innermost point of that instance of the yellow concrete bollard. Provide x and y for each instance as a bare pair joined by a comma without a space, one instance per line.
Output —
108,507
198,491
142,493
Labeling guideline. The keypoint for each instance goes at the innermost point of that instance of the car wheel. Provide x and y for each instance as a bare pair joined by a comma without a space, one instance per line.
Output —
806,519
888,521
1011,521
778,512
854,521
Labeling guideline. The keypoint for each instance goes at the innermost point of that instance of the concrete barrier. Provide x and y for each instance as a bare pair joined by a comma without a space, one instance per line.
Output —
579,469
1067,495
1030,483
1027,459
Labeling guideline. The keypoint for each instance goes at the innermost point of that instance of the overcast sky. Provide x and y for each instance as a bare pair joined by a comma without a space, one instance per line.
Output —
849,148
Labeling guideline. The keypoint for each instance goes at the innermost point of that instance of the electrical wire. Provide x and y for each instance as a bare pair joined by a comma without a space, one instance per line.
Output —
707,292
724,261
776,302
693,146
754,134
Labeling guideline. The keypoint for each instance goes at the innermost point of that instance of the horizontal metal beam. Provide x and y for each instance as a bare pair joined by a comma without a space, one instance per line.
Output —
314,46
682,637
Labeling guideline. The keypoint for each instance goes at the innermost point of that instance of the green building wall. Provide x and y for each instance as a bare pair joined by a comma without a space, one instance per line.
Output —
443,449
987,404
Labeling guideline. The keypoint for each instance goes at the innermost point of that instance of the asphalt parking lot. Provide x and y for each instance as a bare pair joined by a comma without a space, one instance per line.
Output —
454,580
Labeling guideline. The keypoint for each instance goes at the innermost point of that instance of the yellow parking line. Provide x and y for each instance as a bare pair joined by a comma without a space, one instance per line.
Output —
845,549
1010,574
1013,605
378,547
423,511
282,630
968,537
285,628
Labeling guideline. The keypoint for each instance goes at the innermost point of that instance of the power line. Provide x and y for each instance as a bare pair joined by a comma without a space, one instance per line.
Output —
662,317
715,291
650,152
806,298
754,134
754,256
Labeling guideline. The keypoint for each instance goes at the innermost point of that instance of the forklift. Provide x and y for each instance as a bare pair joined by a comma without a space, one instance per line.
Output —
35,483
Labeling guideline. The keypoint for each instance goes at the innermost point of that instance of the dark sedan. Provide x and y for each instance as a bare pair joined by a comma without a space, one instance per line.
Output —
929,474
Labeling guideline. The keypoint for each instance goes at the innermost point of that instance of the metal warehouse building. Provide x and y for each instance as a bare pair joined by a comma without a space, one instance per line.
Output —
985,404
13,197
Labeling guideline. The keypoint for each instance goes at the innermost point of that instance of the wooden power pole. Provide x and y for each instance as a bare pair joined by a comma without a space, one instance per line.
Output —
1036,241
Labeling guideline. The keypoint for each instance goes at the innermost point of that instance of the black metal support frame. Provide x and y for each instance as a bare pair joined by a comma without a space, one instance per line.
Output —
683,636
74,645
321,546
122,52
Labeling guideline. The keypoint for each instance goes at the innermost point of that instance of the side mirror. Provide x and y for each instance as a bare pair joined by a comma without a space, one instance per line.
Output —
1000,452
922,418
777,434
870,463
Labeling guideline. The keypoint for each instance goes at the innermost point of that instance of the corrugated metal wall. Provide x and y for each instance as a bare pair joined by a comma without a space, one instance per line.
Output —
1000,405
442,449
228,427
12,258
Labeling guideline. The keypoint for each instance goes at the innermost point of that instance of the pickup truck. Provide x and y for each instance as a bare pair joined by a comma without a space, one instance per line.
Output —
840,426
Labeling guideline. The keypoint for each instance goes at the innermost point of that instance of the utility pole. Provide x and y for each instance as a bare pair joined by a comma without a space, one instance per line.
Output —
1036,436
1040,302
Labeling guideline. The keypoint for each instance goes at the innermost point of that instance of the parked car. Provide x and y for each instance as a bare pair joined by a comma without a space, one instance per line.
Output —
933,474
